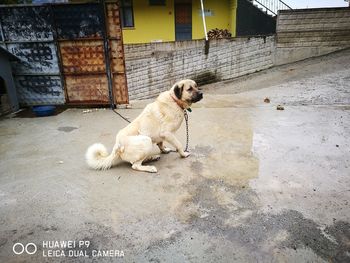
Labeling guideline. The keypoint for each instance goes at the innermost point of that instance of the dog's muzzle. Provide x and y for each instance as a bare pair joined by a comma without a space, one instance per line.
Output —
198,97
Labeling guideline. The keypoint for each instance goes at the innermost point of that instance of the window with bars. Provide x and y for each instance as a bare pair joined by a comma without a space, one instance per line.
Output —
127,13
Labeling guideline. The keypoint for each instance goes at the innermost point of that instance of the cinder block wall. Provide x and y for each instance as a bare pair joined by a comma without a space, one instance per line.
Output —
305,33
155,67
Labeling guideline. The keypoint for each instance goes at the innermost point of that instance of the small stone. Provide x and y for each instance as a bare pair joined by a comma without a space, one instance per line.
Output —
336,145
267,100
279,107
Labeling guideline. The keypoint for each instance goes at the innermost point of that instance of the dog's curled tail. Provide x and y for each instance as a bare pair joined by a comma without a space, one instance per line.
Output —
97,157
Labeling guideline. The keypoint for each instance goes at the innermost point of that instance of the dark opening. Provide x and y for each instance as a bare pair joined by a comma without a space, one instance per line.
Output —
253,21
2,87
4,102
156,2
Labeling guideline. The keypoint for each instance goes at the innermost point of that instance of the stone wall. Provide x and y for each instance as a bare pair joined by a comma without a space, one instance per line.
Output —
306,33
155,67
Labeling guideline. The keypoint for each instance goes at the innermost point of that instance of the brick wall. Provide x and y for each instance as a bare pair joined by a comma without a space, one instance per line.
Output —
155,67
305,33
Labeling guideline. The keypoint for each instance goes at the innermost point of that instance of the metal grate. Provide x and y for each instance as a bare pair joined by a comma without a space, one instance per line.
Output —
64,52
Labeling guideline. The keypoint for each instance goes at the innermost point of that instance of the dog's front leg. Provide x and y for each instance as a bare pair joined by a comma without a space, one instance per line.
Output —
170,138
163,149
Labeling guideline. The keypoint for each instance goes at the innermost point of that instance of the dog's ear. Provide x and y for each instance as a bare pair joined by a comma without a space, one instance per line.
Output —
178,91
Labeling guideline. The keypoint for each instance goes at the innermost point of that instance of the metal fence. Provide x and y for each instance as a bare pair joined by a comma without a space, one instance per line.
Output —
271,7
70,53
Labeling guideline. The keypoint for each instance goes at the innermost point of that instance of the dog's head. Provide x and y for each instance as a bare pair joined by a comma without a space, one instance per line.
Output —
187,91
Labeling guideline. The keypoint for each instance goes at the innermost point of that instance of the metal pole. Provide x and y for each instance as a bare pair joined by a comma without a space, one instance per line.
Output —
106,50
204,24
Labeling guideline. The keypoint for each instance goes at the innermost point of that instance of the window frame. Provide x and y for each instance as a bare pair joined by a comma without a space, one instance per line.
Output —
124,7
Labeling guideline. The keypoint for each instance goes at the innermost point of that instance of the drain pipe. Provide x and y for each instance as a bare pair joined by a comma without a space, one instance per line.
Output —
206,49
204,24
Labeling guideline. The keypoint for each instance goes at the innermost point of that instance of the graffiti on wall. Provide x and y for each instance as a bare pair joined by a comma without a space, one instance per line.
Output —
64,54
35,58
26,23
40,89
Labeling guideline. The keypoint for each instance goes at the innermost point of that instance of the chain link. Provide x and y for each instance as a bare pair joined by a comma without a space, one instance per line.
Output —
187,136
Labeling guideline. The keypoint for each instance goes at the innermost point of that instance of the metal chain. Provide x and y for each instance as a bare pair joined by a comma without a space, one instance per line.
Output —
187,138
121,116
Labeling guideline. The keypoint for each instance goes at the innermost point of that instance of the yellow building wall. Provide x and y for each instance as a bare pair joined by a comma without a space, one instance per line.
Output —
224,16
153,23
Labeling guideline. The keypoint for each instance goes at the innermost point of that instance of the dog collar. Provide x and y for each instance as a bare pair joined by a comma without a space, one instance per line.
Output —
177,102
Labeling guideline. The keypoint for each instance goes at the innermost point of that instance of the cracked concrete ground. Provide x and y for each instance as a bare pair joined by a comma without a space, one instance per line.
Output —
261,185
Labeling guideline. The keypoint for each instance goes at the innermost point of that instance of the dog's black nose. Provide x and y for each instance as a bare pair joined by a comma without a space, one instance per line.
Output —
200,95
197,97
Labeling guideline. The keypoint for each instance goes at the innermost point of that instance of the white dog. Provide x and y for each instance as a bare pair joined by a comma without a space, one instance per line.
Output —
157,123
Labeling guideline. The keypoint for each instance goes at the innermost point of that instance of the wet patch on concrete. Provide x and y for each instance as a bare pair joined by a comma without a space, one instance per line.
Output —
201,150
228,156
218,209
196,167
185,209
234,167
67,128
330,243
214,198
261,230
223,205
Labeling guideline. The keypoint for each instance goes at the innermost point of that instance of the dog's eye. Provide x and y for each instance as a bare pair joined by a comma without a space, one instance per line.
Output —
190,89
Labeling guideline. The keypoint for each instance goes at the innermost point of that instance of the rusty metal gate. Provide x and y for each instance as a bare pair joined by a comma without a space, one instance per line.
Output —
70,53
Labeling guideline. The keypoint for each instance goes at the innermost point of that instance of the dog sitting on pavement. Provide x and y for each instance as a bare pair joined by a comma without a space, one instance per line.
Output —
156,124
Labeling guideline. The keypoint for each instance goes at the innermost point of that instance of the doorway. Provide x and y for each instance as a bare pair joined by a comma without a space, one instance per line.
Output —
183,21
5,106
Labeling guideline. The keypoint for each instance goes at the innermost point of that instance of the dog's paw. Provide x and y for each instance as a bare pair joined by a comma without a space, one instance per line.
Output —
166,150
185,154
152,169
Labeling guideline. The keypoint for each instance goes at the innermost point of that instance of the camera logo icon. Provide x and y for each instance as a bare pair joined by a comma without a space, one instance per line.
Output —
29,248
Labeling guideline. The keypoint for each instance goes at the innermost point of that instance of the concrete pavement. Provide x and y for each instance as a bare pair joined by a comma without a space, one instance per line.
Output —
261,185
